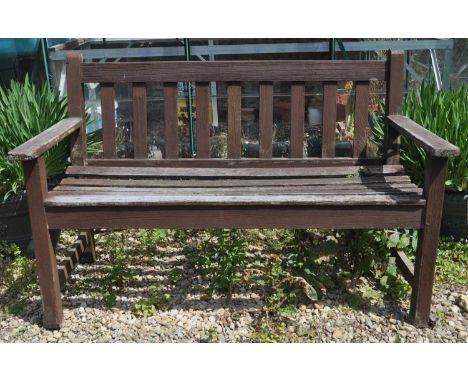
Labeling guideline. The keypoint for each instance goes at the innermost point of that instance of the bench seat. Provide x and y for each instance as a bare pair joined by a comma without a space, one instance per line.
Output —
88,186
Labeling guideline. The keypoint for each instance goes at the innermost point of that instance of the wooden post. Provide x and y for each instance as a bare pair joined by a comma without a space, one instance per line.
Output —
36,188
89,252
434,187
393,103
76,107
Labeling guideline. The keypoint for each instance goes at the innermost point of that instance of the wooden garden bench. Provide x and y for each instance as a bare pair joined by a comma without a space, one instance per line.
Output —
296,192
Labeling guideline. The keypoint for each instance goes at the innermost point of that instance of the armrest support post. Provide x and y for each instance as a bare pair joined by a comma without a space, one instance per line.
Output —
393,104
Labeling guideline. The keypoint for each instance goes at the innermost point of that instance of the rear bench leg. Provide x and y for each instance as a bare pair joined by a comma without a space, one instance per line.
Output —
426,253
89,253
46,263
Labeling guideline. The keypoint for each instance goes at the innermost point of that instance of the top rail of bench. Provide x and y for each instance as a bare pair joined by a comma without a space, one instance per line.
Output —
291,70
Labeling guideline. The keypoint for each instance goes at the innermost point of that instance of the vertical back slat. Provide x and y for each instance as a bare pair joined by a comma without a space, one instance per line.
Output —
296,149
171,129
360,119
266,120
140,130
76,107
393,103
234,119
203,120
329,119
108,120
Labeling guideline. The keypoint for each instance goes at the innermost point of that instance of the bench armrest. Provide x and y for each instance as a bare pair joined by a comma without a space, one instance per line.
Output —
433,144
42,142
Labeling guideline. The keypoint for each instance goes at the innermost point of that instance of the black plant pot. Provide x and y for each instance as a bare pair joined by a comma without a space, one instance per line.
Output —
455,215
15,226
342,148
251,150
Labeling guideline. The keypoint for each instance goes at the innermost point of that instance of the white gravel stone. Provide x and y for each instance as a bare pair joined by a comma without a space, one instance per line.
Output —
196,316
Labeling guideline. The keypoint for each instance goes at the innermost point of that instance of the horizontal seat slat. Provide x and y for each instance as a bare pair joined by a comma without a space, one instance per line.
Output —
172,172
103,182
77,199
280,190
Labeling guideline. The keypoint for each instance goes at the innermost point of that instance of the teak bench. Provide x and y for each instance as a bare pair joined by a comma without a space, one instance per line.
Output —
296,192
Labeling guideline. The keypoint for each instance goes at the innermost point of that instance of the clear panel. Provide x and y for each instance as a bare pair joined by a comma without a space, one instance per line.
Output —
218,138
155,122
249,119
185,105
124,120
94,126
281,119
313,119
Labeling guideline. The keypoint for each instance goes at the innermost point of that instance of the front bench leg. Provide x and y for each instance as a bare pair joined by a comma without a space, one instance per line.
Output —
428,239
46,263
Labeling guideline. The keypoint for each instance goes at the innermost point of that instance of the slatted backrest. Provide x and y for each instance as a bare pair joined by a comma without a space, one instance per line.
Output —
233,73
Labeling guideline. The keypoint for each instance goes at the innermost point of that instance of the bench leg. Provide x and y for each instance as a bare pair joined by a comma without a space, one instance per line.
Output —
434,188
89,253
46,262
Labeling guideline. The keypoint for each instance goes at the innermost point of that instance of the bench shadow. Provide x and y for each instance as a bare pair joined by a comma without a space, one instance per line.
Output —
189,292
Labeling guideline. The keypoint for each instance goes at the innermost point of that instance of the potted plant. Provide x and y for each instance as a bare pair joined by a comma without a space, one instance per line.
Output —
25,111
445,113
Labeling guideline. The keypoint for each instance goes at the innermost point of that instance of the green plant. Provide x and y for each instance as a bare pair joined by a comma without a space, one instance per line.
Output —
109,297
157,300
290,277
269,331
120,274
152,236
445,113
26,111
18,280
368,253
223,259
452,262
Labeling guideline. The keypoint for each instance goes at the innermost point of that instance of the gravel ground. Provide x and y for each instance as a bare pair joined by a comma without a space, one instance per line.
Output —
194,317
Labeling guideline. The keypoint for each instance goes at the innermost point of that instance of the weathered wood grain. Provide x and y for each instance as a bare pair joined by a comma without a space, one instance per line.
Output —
176,172
393,104
360,119
203,120
296,149
290,70
329,120
241,163
42,142
428,238
265,124
171,124
140,129
117,198
326,217
404,264
375,181
36,188
234,119
433,144
76,107
394,188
